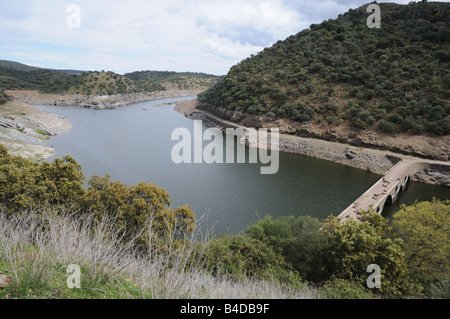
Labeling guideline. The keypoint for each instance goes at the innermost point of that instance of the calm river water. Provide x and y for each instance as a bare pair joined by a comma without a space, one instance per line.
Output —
133,143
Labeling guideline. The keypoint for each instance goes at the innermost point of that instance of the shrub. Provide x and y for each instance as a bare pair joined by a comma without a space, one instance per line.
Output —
344,289
27,184
354,245
386,126
441,288
4,97
242,256
139,208
297,239
423,227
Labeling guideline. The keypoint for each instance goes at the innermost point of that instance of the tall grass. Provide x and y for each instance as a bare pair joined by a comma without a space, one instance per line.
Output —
36,248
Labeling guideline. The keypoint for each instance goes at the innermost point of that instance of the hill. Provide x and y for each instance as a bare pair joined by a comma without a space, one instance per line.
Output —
52,81
18,66
25,67
176,80
340,73
18,76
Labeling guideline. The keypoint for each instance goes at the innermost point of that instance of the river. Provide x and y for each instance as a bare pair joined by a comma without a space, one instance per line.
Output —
133,144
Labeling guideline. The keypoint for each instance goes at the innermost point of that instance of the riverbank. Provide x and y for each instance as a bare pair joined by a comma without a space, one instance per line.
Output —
99,102
375,160
25,130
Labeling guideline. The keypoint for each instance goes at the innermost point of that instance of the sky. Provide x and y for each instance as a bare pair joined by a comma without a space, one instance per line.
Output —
208,36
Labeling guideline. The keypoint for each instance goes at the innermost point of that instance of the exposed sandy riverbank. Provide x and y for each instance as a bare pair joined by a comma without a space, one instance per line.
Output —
96,101
24,130
375,160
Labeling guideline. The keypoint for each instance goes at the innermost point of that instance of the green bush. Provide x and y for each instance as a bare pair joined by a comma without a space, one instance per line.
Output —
26,184
387,127
423,228
242,256
354,245
137,209
441,288
344,289
297,239
4,97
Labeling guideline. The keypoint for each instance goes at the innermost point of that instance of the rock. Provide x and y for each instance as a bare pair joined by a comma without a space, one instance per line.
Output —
5,281
350,155
356,141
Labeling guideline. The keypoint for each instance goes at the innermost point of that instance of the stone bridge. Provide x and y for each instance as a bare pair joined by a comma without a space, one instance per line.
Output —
385,191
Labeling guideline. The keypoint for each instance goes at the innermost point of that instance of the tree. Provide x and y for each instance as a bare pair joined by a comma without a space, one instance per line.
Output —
143,209
61,181
354,245
298,239
26,184
241,256
425,230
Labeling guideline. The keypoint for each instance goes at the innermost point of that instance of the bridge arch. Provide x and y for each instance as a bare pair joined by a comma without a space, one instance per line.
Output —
405,182
380,209
389,201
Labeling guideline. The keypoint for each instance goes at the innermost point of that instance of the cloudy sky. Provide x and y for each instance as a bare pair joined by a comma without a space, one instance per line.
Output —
178,35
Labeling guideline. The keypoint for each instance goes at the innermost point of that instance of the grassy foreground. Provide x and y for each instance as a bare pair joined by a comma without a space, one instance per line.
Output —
36,249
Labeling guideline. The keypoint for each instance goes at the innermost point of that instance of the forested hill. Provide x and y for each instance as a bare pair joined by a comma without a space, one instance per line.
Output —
18,76
341,72
53,81
180,80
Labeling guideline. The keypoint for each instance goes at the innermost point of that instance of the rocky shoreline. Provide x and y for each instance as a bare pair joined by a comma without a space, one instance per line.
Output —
24,130
423,146
99,102
360,156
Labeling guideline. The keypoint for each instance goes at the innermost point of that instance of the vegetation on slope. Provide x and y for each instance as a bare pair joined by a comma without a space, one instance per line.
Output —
394,78
129,242
18,66
51,81
15,75
4,97
180,80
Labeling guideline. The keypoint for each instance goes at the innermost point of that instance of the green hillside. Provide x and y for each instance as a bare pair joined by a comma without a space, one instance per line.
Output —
109,83
17,66
18,76
180,80
52,81
340,72
39,79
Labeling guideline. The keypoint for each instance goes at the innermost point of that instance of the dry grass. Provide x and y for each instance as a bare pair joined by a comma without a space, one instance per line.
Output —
36,248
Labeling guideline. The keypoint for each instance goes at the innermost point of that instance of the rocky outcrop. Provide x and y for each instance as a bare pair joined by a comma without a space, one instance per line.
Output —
432,176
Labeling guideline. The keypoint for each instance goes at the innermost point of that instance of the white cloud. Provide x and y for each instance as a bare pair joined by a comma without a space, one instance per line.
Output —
181,35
